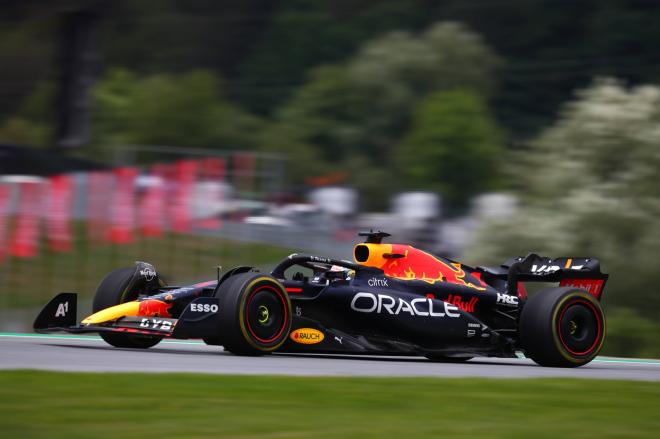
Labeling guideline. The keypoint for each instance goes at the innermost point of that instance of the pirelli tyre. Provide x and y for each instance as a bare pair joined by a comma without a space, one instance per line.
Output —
255,314
562,327
112,291
222,291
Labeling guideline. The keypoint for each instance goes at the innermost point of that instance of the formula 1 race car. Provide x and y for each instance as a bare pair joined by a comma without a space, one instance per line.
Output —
393,300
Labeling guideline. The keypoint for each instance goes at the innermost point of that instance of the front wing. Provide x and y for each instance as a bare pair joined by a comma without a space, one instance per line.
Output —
199,319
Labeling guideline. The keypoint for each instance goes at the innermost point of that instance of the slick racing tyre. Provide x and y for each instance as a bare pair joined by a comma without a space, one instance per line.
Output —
562,327
255,314
110,292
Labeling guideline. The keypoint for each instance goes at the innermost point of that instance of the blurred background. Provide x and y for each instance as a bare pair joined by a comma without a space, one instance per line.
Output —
196,133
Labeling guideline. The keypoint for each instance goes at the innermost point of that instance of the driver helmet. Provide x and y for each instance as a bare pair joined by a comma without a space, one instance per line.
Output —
340,272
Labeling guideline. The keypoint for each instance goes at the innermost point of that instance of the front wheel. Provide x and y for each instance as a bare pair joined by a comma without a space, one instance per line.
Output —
112,291
562,327
255,314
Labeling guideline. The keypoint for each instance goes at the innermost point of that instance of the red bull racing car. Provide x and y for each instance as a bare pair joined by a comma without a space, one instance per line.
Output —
393,299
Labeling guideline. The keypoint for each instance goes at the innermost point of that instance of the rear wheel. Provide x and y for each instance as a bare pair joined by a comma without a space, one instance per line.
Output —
112,291
562,327
255,314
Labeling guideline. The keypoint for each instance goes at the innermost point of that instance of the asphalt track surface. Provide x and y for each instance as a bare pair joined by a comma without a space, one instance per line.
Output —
91,354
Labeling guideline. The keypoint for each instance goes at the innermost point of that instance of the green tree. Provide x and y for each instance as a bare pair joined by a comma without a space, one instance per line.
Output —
32,122
324,113
447,55
180,110
305,34
392,73
453,147
354,114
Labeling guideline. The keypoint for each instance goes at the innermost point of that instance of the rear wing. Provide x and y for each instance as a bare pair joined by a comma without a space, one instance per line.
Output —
583,273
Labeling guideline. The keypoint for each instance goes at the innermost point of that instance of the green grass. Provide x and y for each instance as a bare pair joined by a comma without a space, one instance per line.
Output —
180,258
78,405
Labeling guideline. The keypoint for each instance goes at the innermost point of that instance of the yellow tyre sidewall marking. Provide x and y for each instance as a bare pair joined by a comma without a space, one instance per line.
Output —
241,314
555,335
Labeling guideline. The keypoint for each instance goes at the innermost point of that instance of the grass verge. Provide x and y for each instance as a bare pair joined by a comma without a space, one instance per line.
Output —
79,405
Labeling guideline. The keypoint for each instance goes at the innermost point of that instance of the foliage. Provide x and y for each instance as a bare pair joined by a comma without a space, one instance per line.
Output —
393,72
453,147
32,122
21,131
354,114
448,55
323,113
303,35
629,335
607,37
182,110
590,186
25,63
266,49
171,36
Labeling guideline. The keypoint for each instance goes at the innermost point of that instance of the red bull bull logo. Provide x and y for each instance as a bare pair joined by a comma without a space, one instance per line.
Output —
154,308
466,305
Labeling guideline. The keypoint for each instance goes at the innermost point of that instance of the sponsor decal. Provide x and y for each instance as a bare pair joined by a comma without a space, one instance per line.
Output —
506,299
203,307
592,286
377,282
544,269
477,328
162,325
154,308
298,311
384,303
339,339
465,305
149,273
62,309
307,336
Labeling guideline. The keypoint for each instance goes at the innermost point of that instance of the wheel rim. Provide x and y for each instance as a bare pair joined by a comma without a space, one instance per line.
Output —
579,327
266,314
263,314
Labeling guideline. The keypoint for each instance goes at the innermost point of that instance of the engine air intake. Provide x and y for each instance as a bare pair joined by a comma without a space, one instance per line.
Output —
361,253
